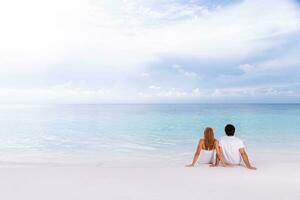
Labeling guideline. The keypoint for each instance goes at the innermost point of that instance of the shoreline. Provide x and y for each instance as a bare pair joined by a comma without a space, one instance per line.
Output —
264,157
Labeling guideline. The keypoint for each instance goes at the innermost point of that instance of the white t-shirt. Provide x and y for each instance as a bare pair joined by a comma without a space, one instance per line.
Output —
230,146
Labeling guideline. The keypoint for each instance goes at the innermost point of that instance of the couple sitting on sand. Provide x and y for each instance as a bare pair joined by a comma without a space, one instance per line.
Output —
228,152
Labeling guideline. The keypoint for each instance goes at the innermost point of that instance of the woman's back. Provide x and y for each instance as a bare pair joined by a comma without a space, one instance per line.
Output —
207,155
206,149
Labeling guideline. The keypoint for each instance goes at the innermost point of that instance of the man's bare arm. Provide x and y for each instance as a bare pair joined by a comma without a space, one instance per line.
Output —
246,159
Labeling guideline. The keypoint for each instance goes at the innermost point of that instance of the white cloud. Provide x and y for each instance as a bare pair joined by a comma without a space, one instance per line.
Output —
279,64
182,71
250,92
122,38
67,94
123,33
153,87
145,75
247,68
173,92
40,32
177,66
197,93
190,74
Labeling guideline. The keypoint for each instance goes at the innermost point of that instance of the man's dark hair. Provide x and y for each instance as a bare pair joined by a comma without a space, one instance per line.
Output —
229,130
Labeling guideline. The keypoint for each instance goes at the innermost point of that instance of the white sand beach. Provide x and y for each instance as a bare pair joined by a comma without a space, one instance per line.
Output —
112,99
273,180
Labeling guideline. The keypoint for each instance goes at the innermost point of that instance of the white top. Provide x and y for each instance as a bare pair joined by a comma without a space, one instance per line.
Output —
206,156
230,146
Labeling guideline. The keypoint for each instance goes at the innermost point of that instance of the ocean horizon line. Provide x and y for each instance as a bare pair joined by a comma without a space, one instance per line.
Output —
178,103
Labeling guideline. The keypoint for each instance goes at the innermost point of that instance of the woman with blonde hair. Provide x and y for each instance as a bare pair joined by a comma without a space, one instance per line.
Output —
208,146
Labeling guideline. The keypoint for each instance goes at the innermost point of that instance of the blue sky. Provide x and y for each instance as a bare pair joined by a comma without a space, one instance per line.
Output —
155,51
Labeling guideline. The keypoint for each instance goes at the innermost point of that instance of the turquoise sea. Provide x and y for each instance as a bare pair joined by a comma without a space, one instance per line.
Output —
114,134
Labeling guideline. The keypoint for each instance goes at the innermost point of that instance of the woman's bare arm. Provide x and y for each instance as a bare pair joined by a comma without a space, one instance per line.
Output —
220,156
197,153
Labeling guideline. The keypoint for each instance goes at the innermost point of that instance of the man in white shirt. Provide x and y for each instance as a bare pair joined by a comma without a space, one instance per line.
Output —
233,149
